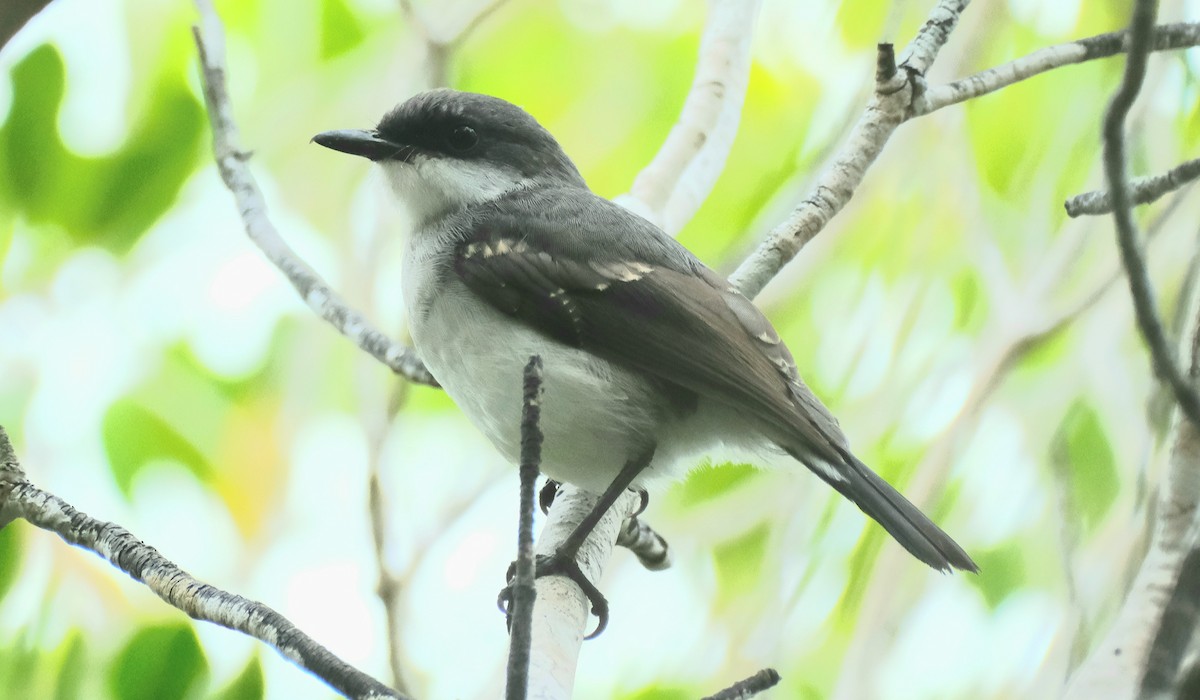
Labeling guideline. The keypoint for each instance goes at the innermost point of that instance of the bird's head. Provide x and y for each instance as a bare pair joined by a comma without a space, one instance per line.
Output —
443,149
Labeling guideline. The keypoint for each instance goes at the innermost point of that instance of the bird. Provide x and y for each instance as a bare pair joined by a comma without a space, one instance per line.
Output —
650,357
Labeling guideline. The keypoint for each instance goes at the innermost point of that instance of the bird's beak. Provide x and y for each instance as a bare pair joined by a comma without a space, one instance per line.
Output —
357,142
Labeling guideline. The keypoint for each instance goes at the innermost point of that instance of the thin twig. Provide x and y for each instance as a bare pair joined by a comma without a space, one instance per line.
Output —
1140,33
647,545
888,107
1142,190
1166,37
388,587
231,161
524,591
438,47
748,688
197,599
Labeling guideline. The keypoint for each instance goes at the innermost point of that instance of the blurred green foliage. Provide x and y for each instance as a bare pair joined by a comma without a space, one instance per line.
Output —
1082,451
90,198
10,557
162,662
59,673
247,686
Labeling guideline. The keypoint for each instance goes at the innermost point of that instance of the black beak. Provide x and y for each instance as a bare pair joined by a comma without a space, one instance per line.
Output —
357,142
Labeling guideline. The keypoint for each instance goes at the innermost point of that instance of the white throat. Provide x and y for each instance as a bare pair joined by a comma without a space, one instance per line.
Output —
429,187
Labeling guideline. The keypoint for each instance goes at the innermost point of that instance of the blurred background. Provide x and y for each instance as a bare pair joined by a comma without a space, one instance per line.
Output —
975,343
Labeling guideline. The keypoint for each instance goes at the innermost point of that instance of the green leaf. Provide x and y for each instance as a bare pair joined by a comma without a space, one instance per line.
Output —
159,663
739,561
31,154
10,557
660,692
1082,453
135,436
72,670
247,686
709,481
1002,571
110,200
970,301
340,31
137,184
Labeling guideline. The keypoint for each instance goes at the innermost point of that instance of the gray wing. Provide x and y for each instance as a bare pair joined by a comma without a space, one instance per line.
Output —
619,288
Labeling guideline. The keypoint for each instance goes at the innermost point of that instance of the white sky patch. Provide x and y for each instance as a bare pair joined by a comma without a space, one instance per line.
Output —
465,564
935,403
1050,18
954,616
326,602
1002,494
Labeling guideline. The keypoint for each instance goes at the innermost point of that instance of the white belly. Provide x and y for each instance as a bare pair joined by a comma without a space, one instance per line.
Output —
594,416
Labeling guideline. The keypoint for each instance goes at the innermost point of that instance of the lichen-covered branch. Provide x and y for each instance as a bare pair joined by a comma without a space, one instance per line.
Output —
231,161
1142,190
1166,37
21,499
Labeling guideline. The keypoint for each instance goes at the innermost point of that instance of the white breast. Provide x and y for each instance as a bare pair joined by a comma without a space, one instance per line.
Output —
595,415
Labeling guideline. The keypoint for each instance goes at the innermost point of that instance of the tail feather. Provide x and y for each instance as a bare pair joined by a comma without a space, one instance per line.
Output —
888,507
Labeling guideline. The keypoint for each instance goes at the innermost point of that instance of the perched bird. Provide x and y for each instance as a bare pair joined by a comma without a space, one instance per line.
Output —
649,355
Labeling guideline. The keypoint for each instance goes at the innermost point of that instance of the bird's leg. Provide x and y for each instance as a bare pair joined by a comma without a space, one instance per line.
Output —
564,561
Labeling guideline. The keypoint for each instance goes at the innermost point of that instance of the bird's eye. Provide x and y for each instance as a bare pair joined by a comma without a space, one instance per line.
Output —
462,139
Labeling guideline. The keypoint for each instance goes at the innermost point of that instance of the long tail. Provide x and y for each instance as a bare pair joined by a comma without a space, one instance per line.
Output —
888,507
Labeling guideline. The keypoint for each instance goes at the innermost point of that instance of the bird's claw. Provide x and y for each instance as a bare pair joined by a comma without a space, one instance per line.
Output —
547,494
558,564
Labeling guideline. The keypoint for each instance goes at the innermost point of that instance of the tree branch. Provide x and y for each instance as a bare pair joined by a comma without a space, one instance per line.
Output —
671,188
562,609
1166,37
524,591
647,545
231,161
1140,33
438,45
21,499
885,111
748,688
1142,190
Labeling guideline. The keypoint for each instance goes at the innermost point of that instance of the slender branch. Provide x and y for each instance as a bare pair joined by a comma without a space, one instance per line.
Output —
1166,37
201,601
671,188
524,590
472,22
748,688
1140,33
388,587
231,161
922,51
647,545
1142,190
439,45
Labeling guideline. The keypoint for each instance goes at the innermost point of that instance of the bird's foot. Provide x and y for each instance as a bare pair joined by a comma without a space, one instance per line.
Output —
558,564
